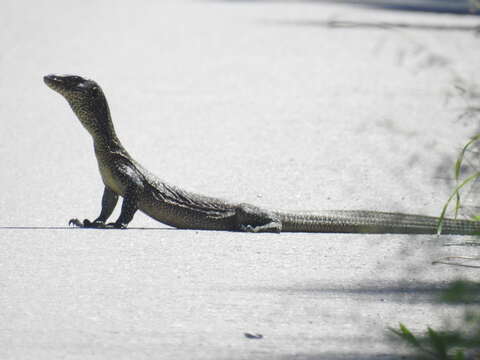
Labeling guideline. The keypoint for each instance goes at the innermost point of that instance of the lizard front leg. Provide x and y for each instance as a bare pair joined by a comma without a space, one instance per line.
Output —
131,196
109,200
129,207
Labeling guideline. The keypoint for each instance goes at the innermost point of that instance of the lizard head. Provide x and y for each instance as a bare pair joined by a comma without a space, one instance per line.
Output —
87,100
74,88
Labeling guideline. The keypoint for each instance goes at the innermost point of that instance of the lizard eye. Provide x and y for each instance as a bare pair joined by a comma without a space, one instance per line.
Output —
94,91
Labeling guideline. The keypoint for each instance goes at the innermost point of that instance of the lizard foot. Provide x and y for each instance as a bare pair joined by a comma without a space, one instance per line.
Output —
272,227
87,224
247,228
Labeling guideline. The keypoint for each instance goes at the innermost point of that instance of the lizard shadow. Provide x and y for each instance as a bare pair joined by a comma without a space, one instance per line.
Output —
76,228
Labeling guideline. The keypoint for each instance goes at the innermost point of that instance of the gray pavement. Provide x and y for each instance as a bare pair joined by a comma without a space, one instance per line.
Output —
253,101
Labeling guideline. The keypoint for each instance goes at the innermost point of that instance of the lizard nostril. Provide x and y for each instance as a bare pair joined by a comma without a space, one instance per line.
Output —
53,78
50,79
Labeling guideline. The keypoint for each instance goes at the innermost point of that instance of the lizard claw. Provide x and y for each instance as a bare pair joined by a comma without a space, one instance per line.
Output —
75,222
247,228
271,227
116,225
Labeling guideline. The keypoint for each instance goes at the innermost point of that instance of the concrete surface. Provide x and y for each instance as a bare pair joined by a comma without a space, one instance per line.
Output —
252,101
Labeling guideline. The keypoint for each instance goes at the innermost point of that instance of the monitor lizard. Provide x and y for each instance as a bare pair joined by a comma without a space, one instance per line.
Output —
141,190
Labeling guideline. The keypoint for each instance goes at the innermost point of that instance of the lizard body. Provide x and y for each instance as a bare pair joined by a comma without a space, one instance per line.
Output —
141,190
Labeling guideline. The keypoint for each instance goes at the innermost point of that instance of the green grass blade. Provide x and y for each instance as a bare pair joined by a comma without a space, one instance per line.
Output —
438,344
458,170
406,335
458,163
454,193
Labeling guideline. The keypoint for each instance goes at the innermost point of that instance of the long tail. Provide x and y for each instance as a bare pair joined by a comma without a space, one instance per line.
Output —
372,222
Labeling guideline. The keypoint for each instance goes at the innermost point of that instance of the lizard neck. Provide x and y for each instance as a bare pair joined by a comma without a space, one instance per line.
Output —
105,139
108,145
94,115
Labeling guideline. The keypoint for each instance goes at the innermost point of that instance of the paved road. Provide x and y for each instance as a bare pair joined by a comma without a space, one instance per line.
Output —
253,101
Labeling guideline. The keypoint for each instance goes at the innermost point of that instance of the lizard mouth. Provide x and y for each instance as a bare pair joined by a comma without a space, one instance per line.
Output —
55,82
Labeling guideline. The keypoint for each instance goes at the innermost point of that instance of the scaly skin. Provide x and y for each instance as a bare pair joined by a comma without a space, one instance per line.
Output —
143,191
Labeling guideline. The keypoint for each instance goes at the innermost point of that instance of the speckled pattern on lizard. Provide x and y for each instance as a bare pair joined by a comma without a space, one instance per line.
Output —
141,190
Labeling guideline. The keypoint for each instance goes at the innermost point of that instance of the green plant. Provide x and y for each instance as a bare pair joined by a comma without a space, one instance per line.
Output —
471,95
461,183
459,343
